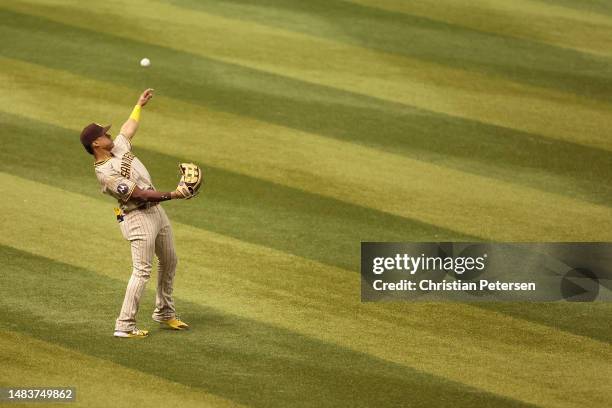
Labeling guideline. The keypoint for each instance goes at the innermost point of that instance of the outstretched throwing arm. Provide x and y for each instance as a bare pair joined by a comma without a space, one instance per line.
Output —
130,127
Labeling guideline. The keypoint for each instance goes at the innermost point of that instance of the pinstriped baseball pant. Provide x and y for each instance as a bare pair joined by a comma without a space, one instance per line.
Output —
149,233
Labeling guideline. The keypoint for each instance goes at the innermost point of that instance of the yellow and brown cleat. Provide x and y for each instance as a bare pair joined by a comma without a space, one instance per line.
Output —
136,333
174,324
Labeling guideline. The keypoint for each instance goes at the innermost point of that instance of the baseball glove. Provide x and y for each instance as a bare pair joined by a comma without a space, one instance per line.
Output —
191,180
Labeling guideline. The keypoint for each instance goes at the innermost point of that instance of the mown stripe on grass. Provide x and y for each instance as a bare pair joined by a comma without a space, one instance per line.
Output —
470,146
28,361
559,167
322,302
584,30
381,181
585,6
239,359
448,90
251,209
585,319
521,60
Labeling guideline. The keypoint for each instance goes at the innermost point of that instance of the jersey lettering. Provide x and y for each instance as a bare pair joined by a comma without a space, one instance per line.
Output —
126,164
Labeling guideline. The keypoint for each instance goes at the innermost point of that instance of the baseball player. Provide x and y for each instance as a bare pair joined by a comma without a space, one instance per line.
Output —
141,218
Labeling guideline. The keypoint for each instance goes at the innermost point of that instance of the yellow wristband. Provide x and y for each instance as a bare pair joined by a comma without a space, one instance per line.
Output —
136,113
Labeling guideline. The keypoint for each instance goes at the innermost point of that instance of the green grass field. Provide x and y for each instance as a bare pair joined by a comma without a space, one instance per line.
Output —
319,124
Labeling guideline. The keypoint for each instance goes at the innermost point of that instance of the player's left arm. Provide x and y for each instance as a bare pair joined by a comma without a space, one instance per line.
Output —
130,127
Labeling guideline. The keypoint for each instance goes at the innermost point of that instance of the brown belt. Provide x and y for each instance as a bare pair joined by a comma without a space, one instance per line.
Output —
141,207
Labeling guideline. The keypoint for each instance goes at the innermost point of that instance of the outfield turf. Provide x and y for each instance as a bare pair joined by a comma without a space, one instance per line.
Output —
319,124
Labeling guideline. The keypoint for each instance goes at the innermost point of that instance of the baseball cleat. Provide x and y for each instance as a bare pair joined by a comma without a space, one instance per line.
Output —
136,333
174,324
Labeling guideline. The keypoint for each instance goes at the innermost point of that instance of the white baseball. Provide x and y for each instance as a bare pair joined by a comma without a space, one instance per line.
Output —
145,62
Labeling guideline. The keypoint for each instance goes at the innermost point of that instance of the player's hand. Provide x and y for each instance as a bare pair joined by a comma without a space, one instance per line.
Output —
177,194
145,97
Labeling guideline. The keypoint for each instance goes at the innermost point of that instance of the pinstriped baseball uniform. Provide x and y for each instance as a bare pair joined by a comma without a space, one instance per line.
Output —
147,228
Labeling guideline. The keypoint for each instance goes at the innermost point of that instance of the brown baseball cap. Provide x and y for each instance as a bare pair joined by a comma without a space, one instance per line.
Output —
90,133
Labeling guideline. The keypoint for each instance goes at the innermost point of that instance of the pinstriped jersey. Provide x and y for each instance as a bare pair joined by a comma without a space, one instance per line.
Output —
121,173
